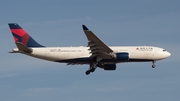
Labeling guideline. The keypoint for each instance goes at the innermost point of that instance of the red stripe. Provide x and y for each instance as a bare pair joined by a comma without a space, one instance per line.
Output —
19,32
25,39
22,33
15,39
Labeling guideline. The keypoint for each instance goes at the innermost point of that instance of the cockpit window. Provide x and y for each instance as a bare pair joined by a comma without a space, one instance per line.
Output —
164,50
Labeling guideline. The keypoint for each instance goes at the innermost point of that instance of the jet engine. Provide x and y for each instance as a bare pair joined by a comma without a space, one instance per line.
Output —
124,56
109,66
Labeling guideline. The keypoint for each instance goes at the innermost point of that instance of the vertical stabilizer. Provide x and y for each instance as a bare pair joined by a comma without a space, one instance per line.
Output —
21,36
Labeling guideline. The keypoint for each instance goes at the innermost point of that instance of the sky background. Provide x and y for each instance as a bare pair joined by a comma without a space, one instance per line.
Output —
116,22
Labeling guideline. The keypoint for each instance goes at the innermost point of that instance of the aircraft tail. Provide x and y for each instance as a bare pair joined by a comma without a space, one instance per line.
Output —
22,38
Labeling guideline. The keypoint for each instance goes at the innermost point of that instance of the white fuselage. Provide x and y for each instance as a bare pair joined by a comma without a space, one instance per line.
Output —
97,54
136,53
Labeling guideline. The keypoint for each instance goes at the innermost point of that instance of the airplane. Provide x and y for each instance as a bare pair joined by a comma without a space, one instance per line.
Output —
96,54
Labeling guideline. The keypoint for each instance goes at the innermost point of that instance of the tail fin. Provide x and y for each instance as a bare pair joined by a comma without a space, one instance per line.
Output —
20,36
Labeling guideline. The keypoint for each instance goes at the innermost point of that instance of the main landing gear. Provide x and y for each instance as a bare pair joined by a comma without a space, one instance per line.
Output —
153,65
92,68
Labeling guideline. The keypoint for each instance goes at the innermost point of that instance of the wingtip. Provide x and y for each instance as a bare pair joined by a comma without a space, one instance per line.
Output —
84,27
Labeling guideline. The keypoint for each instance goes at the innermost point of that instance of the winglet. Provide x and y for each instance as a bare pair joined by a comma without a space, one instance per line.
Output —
84,27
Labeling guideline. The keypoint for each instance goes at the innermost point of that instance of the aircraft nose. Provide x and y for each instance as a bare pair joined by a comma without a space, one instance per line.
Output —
168,54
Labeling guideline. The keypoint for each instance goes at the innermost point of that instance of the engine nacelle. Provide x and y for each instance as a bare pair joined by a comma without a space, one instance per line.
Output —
124,56
109,66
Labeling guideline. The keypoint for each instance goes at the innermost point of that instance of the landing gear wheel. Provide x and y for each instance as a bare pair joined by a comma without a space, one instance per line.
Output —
153,66
88,72
91,68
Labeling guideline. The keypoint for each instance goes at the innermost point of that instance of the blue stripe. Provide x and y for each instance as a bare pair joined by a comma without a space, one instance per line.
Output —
33,43
18,37
14,26
88,60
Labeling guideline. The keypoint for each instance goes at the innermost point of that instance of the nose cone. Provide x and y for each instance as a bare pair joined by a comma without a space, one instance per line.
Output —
163,55
168,54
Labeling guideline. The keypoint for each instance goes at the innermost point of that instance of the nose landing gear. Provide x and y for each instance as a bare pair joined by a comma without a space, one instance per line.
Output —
153,65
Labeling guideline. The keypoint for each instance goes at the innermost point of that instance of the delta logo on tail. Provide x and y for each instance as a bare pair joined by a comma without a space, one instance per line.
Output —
22,36
96,54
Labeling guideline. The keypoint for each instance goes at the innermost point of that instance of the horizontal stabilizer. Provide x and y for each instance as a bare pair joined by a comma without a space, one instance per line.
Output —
23,48
13,52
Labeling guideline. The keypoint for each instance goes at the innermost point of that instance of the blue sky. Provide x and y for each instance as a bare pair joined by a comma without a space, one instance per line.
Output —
116,22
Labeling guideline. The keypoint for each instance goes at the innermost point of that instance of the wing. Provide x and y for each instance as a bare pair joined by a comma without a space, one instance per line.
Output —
97,47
